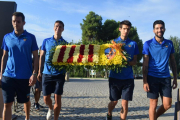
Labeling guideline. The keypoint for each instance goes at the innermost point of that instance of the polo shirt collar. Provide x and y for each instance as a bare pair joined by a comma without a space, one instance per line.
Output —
61,39
24,33
124,40
154,40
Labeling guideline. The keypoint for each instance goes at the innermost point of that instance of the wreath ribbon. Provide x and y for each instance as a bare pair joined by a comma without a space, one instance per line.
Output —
118,48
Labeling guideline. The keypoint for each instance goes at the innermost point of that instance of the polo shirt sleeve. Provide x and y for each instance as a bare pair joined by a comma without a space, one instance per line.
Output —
106,51
136,50
34,43
43,46
172,48
4,46
145,49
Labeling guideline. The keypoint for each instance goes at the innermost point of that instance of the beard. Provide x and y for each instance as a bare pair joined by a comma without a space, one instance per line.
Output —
162,33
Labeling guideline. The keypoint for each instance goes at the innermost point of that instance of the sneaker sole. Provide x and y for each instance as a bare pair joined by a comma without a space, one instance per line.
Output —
49,118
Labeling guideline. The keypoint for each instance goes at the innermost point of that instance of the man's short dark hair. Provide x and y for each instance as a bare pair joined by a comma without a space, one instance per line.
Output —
125,22
60,22
158,22
19,14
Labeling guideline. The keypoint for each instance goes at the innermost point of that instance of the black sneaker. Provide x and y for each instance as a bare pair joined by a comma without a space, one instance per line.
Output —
108,117
36,106
41,106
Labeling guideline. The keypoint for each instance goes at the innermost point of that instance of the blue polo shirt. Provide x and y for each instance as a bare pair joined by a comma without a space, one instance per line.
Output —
158,57
132,49
19,63
47,45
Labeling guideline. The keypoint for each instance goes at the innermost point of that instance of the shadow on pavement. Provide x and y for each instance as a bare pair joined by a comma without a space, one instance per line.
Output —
82,113
88,80
84,97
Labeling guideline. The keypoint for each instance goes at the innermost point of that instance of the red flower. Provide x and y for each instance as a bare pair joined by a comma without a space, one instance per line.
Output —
70,59
90,56
61,54
82,47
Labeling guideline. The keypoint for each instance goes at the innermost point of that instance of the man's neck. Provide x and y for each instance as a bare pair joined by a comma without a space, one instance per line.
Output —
159,40
123,38
18,33
57,37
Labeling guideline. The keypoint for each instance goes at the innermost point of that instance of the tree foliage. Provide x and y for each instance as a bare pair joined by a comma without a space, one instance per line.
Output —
110,30
91,27
137,70
78,71
176,43
133,35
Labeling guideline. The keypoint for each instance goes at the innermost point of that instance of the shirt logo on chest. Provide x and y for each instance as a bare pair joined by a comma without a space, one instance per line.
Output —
25,38
166,45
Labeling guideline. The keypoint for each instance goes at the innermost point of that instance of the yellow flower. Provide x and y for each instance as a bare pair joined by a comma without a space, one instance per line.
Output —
84,60
56,54
99,57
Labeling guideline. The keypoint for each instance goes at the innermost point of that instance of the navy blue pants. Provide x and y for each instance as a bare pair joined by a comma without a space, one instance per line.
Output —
158,86
121,89
53,84
11,86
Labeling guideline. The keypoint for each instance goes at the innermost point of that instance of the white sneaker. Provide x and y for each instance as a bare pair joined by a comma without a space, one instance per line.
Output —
49,114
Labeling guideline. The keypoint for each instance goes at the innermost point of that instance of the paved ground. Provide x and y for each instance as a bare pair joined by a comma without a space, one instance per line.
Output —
87,99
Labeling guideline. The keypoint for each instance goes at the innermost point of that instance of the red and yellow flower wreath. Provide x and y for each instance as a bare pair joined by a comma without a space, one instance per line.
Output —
88,55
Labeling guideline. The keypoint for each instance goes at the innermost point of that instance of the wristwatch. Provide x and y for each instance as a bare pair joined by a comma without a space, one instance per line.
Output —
35,74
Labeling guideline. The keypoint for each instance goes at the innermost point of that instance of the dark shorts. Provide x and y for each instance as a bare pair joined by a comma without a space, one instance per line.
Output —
158,86
53,84
18,87
121,89
38,85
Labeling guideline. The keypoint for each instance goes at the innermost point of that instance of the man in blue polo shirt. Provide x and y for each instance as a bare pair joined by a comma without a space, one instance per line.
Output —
156,77
52,80
17,74
121,84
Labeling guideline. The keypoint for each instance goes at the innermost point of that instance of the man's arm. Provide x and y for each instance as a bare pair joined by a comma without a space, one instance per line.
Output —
174,70
3,63
33,77
41,64
35,61
134,61
145,72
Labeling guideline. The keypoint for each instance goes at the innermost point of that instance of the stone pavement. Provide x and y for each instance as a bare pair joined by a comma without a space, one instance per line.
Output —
87,99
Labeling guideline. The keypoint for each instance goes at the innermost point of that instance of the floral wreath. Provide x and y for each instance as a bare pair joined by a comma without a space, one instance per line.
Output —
67,56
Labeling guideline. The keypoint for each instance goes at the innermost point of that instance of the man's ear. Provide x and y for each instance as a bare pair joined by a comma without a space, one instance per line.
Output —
120,29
